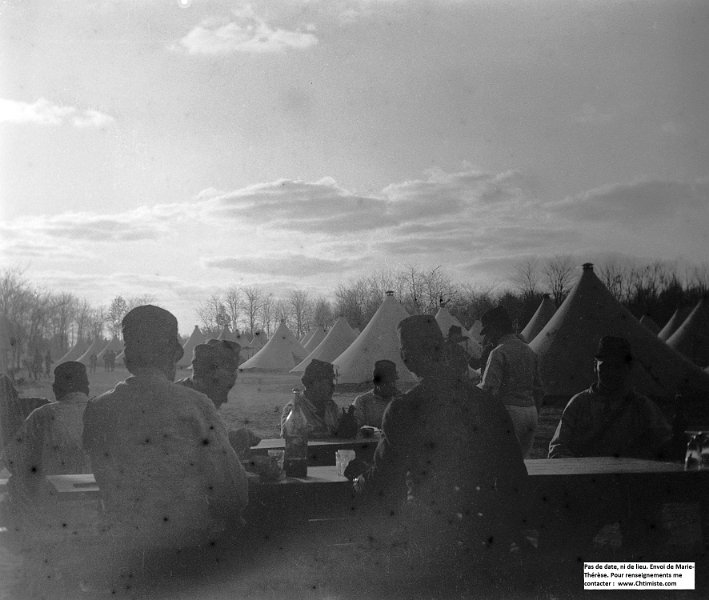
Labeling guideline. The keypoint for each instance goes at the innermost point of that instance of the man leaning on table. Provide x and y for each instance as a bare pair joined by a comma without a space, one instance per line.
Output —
609,418
160,453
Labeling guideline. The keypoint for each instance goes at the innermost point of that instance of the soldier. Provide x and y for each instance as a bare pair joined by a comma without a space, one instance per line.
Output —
160,453
369,407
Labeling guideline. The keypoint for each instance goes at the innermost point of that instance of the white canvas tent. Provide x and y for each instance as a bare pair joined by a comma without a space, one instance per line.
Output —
692,337
317,337
96,346
649,322
305,338
75,352
196,338
259,340
115,345
281,353
541,317
227,334
337,340
674,323
379,340
474,331
568,342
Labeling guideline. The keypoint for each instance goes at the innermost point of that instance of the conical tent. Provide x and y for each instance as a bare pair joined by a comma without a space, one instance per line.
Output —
259,340
196,338
568,342
96,346
340,336
692,337
281,353
79,348
674,323
379,340
227,334
446,320
317,337
648,322
541,317
305,338
115,345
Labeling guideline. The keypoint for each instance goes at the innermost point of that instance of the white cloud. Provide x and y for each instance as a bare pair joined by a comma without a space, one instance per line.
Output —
245,32
43,112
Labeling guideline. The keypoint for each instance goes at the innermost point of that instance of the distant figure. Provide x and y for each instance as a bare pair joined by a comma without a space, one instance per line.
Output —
512,376
107,361
49,441
320,410
112,360
93,360
214,373
37,364
160,453
48,363
370,406
609,418
448,465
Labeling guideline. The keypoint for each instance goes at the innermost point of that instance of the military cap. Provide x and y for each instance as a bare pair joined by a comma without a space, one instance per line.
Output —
614,348
420,330
149,331
71,375
384,370
455,334
223,353
497,317
318,369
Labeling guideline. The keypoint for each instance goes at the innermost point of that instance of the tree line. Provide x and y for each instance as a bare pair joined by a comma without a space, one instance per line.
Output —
41,319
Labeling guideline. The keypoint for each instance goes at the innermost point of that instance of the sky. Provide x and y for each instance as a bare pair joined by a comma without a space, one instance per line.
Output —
175,148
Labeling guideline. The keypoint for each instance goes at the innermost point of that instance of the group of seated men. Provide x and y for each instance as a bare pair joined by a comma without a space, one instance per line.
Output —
169,469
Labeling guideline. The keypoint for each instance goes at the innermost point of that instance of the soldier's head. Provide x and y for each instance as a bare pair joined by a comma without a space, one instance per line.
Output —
214,369
70,377
613,364
150,338
384,378
422,344
319,381
496,323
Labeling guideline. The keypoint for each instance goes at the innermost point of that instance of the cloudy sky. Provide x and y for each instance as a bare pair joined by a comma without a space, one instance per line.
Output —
176,147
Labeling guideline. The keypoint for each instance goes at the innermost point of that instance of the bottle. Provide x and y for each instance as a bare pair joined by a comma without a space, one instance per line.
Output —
295,432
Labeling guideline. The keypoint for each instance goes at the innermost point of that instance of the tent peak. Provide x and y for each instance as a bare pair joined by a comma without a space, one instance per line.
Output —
389,292
587,266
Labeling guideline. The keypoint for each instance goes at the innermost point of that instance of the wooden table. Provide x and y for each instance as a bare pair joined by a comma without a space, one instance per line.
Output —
561,491
322,452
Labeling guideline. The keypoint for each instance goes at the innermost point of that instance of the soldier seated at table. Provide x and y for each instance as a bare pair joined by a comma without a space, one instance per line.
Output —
169,478
49,441
369,407
320,410
214,372
610,418
448,470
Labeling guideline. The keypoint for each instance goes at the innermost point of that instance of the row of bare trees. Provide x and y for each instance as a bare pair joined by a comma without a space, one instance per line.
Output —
40,319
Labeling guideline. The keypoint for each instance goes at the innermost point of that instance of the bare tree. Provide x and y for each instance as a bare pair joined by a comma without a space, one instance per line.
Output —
251,303
526,277
558,272
232,305
213,315
281,312
301,310
117,309
322,313
266,307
